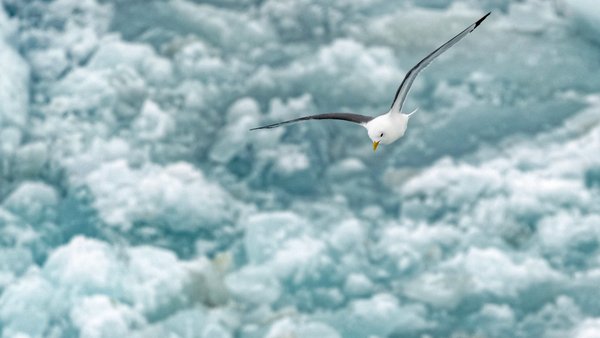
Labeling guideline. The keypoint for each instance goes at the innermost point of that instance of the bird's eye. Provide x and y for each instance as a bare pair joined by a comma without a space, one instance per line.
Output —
381,135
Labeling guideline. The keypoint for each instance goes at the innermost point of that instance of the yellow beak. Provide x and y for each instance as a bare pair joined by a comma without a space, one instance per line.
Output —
375,145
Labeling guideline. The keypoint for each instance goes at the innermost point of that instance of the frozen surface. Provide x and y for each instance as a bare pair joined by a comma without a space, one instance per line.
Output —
134,202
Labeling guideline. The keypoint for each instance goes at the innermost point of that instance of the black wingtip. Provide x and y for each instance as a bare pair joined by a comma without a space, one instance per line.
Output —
481,20
270,126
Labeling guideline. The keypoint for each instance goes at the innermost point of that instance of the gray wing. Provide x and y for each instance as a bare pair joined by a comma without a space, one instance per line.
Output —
356,118
404,88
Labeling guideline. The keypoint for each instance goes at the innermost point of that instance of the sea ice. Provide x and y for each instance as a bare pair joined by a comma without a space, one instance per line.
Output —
178,197
134,201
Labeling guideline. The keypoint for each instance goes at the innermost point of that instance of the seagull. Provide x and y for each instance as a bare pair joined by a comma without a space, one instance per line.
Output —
390,126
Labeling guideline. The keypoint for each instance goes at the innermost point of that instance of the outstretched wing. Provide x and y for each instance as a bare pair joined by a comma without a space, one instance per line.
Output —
356,118
404,88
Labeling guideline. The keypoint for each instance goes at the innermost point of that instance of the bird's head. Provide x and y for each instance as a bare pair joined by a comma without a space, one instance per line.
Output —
380,131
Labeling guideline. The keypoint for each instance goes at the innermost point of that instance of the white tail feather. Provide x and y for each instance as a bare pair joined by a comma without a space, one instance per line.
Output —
414,111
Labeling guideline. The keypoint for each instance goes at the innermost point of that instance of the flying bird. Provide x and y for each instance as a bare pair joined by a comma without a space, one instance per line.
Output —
390,126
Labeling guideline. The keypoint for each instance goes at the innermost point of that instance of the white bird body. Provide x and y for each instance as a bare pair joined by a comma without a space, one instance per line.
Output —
391,126
388,127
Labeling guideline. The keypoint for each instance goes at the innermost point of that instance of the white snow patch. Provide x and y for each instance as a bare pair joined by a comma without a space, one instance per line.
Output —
178,196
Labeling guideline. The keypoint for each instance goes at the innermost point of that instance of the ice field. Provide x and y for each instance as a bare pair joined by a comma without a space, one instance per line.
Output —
135,202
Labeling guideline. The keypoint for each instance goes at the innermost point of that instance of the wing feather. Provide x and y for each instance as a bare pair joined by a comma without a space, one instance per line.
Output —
404,88
356,118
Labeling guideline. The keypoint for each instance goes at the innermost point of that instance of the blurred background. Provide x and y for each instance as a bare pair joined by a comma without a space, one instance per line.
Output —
134,202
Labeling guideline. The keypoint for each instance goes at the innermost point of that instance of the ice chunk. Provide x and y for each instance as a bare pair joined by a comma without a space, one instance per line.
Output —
554,319
234,138
255,285
80,43
10,139
27,306
106,291
358,284
266,233
569,239
374,73
99,316
93,14
159,283
281,243
153,124
498,312
590,328
66,94
15,231
287,328
114,53
229,30
14,85
49,63
85,265
13,263
177,196
381,315
404,248
130,90
97,152
299,258
347,169
33,201
495,320
490,270
30,159
349,235
481,271
448,189
292,170
292,162
196,59
194,322
7,26
437,289
241,108
584,15
153,279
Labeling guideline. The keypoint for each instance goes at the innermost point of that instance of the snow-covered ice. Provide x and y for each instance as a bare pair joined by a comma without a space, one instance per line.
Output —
134,202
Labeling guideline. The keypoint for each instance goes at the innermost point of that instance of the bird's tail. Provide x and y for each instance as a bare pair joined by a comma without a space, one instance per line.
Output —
410,114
